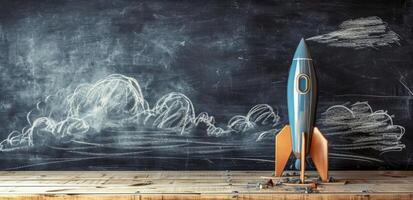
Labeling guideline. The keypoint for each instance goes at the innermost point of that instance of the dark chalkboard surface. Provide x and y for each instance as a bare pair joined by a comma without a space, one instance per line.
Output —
179,85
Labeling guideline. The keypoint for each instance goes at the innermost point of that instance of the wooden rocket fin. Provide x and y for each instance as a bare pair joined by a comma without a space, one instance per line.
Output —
283,149
319,153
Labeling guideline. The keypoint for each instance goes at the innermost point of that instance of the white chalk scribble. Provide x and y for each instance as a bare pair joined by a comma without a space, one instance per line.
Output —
117,101
113,113
368,32
358,127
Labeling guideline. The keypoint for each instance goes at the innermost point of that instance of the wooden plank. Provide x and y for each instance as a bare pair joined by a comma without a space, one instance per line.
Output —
209,197
196,185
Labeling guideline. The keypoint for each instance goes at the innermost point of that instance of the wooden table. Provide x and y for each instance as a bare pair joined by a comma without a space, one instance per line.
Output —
121,185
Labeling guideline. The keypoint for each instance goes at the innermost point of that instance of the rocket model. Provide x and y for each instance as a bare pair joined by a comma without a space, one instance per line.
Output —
301,137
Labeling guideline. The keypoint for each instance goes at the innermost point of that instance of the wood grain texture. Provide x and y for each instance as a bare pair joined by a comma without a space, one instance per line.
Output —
196,185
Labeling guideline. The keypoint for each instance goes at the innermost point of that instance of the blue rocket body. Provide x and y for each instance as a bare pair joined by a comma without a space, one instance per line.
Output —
301,97
300,136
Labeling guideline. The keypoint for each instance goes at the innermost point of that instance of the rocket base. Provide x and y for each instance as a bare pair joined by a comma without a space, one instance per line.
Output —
318,153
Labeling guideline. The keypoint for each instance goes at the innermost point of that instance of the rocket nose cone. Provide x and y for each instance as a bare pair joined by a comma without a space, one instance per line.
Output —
302,50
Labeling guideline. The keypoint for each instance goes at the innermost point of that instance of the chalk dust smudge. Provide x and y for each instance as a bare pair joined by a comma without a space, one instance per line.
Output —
360,33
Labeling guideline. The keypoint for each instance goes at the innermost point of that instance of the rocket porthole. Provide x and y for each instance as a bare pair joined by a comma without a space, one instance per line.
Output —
303,85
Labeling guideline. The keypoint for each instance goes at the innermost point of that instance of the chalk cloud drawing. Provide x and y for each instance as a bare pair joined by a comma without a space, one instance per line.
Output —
105,108
358,127
360,33
117,101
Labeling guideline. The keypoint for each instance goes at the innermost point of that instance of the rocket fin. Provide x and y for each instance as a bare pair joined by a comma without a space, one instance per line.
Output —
283,149
319,153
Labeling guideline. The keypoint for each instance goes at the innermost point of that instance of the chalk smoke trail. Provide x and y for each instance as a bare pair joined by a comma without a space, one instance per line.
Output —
360,33
117,101
358,127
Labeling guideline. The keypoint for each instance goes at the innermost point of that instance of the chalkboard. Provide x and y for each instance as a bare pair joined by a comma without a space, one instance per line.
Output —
188,85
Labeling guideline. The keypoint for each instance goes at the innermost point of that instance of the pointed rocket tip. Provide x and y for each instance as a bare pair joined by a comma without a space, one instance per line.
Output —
302,50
